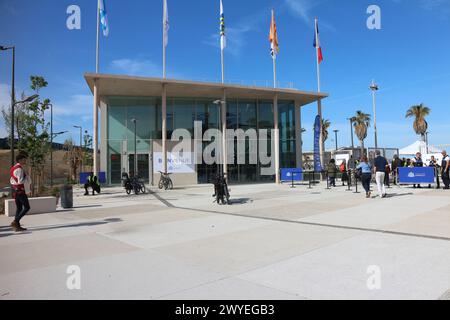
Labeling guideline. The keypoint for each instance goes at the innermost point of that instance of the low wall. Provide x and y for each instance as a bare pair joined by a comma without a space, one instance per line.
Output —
38,205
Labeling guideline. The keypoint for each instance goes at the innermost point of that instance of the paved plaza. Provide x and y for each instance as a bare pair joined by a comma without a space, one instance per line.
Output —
273,242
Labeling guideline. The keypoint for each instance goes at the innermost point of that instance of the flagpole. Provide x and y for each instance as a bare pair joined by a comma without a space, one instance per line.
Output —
222,64
95,111
165,13
319,102
274,72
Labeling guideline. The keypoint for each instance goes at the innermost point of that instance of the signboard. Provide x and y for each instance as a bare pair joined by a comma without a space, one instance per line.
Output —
317,128
291,174
176,163
416,175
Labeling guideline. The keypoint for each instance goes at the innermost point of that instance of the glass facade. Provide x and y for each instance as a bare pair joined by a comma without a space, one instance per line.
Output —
181,114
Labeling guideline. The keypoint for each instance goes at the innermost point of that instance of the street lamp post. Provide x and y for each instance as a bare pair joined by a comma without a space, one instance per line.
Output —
13,97
135,148
81,144
220,168
336,138
52,135
351,120
374,88
426,140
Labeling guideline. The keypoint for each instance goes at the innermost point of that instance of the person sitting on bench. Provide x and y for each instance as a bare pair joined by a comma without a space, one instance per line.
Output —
93,183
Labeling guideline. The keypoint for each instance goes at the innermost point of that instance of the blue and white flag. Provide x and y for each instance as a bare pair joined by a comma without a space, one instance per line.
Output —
103,17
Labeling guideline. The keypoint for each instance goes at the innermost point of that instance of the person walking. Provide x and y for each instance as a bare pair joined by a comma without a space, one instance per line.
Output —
93,183
366,174
417,162
20,182
332,172
380,165
445,166
343,170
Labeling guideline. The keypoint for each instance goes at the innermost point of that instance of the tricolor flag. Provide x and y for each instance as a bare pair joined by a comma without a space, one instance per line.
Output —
317,42
103,17
165,24
223,39
273,37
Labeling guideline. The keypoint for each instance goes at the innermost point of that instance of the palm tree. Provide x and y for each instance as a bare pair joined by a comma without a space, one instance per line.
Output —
361,123
419,112
325,126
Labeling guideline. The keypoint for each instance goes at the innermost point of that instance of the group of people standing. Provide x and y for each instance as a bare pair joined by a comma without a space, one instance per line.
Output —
381,168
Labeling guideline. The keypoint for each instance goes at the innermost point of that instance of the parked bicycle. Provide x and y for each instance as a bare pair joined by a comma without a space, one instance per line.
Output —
221,191
165,182
135,184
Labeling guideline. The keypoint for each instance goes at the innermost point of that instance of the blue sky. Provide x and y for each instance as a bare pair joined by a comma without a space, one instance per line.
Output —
408,57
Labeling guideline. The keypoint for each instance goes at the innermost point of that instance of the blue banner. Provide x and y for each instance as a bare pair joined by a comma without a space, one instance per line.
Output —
317,127
84,177
291,174
416,175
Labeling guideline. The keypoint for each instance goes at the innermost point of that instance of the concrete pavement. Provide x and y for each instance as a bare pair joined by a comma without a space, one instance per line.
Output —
273,242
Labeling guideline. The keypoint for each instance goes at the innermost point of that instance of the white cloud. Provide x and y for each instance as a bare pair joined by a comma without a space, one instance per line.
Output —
79,105
136,67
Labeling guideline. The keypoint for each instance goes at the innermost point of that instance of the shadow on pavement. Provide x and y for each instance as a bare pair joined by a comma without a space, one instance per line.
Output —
73,225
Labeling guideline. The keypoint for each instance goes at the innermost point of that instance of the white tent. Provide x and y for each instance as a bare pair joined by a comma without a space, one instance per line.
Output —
418,146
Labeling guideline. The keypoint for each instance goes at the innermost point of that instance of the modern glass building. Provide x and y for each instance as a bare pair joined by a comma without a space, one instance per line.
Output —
138,116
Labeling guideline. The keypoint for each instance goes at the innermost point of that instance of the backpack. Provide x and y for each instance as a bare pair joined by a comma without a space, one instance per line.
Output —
342,167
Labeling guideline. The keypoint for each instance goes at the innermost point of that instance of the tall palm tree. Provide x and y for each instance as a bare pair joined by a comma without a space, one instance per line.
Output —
420,124
361,123
326,124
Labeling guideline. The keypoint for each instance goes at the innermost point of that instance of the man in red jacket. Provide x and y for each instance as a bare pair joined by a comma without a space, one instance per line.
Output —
18,180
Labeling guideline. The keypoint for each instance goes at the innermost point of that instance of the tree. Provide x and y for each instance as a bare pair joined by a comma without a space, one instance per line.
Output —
361,123
34,135
419,112
87,154
326,124
73,157
19,114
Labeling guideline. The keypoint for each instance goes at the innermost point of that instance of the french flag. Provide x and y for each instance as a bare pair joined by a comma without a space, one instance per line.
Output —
317,42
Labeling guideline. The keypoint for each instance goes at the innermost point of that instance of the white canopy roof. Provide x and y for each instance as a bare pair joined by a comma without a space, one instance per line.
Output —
418,146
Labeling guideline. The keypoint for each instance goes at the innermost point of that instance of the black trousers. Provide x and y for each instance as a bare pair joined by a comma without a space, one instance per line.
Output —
446,179
22,204
365,179
95,188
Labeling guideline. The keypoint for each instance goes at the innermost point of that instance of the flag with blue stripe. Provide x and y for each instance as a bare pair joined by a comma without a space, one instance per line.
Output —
103,18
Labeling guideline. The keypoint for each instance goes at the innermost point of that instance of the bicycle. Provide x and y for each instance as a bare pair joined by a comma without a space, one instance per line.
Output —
135,184
165,182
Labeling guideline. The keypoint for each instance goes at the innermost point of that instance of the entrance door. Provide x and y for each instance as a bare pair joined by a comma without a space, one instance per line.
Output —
143,166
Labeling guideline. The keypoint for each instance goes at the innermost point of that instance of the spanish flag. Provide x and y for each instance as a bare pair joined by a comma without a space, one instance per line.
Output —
273,37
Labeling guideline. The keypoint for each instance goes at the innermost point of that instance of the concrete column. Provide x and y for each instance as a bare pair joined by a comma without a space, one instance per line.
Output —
164,126
277,139
298,135
95,125
224,131
103,137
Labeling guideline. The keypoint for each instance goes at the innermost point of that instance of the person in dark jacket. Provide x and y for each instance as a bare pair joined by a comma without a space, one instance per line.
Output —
92,183
332,172
417,162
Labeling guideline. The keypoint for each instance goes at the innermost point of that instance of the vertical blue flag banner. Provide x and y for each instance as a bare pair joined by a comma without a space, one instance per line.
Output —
317,164
103,18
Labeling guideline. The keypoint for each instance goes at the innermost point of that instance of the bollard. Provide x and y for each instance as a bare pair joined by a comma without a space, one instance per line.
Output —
356,184
349,180
328,181
438,184
309,178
